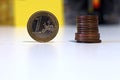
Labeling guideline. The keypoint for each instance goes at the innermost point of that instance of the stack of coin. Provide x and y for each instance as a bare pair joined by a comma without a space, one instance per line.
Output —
87,29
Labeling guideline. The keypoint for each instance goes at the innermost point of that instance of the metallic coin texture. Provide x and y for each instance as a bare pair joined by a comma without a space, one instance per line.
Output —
87,29
42,26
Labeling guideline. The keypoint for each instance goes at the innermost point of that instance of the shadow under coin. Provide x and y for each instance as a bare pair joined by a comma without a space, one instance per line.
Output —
72,41
38,42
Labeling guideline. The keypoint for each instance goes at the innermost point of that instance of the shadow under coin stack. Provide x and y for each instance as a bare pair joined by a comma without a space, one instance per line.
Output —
87,29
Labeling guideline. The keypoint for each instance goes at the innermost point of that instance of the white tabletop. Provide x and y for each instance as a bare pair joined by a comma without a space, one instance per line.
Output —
22,58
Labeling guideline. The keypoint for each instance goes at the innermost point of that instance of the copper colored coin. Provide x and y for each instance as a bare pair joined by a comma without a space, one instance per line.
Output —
88,41
96,24
42,26
78,21
87,37
87,17
92,34
87,28
87,31
87,24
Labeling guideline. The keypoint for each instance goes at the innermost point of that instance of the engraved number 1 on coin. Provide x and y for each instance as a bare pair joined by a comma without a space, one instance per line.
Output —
38,24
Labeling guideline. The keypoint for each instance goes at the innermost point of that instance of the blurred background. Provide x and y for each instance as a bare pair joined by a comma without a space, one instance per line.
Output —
17,12
6,12
107,10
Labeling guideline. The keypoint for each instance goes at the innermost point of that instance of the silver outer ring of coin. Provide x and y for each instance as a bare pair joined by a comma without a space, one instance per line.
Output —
38,14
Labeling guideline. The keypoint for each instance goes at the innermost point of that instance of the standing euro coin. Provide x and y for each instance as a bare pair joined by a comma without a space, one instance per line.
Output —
43,26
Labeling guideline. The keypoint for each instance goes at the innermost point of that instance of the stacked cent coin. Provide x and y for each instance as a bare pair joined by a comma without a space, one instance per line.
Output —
87,29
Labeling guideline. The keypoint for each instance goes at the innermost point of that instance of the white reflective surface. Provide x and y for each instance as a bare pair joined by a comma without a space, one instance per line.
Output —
22,58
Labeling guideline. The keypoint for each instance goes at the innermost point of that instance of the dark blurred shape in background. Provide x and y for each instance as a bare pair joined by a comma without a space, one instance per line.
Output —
6,12
107,10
